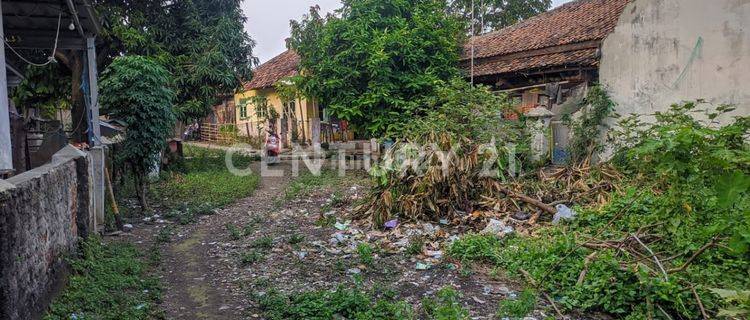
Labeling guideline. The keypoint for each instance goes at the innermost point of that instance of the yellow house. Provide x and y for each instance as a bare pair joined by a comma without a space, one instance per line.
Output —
301,120
296,121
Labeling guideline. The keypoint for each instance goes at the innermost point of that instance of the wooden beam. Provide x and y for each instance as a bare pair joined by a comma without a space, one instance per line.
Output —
76,18
93,19
31,43
93,89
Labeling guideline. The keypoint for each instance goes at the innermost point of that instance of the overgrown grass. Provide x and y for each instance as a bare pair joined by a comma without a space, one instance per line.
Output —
206,180
677,230
308,182
110,281
198,185
344,303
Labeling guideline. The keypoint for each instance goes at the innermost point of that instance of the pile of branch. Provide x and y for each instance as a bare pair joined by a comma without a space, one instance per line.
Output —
426,192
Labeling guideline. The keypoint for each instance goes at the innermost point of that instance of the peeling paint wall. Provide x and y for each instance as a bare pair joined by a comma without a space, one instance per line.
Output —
668,51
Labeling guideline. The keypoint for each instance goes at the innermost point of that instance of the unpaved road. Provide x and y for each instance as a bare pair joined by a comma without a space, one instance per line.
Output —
203,276
197,276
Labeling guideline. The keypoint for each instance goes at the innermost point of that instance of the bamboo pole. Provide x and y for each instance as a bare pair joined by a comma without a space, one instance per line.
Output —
115,208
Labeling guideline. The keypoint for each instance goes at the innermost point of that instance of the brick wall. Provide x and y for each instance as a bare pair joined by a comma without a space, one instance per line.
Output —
43,213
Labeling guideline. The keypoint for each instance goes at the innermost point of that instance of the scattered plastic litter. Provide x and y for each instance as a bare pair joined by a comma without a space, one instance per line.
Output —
341,226
391,224
497,227
563,213
423,266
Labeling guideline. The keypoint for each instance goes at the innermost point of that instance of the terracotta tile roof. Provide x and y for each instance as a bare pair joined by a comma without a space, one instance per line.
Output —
280,67
585,57
580,24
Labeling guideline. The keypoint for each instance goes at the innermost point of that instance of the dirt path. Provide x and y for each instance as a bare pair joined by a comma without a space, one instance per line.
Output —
210,273
198,277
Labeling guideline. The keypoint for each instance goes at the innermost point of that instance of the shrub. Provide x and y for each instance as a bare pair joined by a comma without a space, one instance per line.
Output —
138,90
678,228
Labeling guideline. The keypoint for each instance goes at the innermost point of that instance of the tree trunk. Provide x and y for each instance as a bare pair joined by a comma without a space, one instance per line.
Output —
140,189
73,60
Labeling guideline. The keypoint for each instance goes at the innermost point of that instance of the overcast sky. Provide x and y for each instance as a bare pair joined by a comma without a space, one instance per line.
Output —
268,21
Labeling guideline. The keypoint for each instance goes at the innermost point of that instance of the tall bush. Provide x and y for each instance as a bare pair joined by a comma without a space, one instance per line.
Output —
375,60
139,91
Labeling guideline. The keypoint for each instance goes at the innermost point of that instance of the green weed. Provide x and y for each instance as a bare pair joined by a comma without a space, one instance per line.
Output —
164,235
110,281
519,307
341,303
198,187
446,306
326,221
263,243
234,232
365,253
688,188
252,257
296,239
307,182
415,246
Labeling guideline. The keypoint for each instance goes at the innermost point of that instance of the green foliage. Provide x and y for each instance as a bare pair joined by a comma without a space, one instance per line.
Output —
464,112
446,306
364,250
45,88
686,200
263,243
587,129
201,42
326,221
374,61
738,302
497,14
138,90
164,235
415,246
340,303
234,232
251,257
518,307
474,247
296,239
109,281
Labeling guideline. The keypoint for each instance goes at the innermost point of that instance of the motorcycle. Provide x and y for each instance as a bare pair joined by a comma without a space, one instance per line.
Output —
273,148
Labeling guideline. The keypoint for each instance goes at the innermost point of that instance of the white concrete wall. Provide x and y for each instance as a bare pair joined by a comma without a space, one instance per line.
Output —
668,51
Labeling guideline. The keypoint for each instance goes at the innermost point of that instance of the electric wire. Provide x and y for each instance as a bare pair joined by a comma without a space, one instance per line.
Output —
51,58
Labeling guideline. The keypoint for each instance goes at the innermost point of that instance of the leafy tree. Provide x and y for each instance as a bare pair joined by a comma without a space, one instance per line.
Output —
139,90
46,88
497,14
210,52
375,60
201,42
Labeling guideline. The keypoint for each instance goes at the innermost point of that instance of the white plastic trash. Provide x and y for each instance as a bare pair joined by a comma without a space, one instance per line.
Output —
563,213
